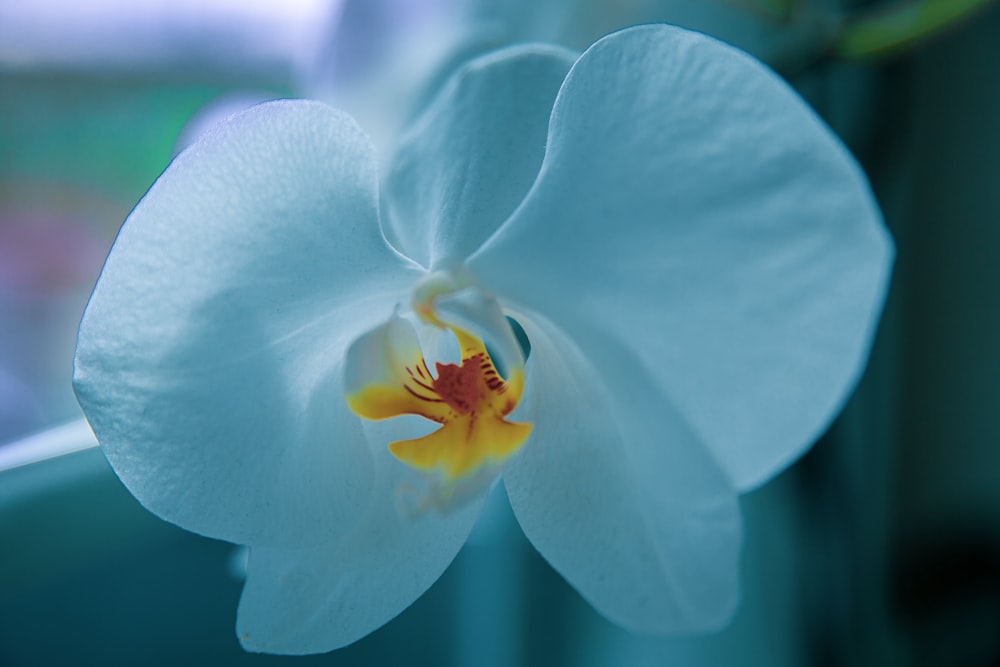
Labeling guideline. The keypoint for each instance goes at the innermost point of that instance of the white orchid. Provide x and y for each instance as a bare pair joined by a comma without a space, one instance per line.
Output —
696,262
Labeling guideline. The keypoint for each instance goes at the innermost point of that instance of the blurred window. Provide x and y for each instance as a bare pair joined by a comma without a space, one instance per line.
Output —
125,35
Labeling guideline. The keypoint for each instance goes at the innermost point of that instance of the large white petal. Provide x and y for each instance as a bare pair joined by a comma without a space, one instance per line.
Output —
208,360
467,163
322,598
619,495
691,207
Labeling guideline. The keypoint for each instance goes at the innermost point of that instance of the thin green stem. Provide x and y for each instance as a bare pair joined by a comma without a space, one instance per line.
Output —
887,31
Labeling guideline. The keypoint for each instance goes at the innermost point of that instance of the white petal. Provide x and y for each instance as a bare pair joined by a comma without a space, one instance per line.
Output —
691,207
208,360
469,160
326,597
481,315
380,356
619,495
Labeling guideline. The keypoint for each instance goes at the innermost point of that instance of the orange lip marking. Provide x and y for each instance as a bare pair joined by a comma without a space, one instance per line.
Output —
471,402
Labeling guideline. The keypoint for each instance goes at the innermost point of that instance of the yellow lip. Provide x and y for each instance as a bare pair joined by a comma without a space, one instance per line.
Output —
470,400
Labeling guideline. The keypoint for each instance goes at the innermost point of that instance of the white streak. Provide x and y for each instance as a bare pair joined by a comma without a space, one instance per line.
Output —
66,439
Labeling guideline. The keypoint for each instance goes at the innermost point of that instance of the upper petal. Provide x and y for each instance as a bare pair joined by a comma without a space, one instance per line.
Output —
468,161
619,495
208,359
323,598
692,208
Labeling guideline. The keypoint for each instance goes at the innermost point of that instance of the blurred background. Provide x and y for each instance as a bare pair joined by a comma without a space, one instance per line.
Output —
880,547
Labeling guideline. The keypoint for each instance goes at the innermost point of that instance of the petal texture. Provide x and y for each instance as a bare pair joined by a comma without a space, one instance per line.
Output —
319,599
693,209
208,359
469,160
619,495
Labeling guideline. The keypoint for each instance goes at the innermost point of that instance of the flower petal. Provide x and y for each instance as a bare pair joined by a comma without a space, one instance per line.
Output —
326,597
208,360
467,162
693,208
619,495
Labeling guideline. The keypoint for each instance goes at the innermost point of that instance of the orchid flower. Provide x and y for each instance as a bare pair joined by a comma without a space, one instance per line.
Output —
633,283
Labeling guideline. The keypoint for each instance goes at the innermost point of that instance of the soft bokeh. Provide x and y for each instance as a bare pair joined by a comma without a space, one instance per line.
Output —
880,547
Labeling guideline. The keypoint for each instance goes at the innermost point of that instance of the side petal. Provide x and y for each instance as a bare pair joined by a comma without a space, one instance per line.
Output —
322,598
208,359
468,161
694,209
620,496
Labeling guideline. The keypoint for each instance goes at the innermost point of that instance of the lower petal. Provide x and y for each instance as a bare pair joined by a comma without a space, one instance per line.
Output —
618,494
319,599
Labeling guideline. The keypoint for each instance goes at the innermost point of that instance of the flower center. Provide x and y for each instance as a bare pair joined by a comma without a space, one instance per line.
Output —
387,376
